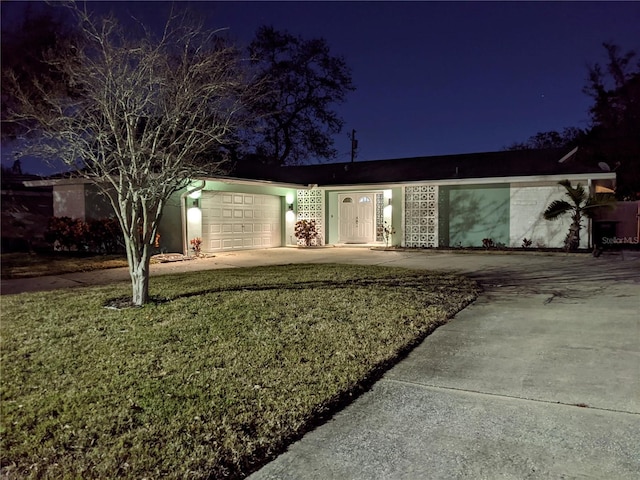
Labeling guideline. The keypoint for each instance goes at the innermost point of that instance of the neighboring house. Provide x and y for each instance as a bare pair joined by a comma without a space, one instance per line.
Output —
443,201
25,212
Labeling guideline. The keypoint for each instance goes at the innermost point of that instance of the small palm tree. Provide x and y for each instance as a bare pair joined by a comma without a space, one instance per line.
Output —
581,205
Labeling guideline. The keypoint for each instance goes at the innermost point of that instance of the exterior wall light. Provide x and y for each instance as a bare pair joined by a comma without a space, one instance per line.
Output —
290,207
196,203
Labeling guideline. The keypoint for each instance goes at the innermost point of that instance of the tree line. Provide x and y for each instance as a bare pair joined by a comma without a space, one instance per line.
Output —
613,138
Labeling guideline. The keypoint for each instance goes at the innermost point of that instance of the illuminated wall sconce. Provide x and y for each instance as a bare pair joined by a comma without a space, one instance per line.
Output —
388,202
196,203
290,207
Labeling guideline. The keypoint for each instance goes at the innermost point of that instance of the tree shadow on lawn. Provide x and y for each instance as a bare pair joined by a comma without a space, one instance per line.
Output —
415,281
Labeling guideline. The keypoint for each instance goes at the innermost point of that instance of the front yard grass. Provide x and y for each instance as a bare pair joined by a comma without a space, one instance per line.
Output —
214,378
24,265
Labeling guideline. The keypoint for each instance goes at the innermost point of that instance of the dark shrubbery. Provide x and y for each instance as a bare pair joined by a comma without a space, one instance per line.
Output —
96,236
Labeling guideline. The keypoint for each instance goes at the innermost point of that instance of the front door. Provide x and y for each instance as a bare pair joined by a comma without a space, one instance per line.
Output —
357,218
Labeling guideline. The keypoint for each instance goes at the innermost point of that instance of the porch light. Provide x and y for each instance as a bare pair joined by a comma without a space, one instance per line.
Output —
290,207
194,215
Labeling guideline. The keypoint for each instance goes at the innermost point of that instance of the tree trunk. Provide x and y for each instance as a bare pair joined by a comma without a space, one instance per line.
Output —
572,242
140,283
139,271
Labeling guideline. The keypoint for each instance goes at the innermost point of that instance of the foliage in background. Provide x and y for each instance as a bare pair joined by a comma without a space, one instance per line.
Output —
613,137
212,380
580,205
25,48
305,230
569,137
615,115
96,236
295,119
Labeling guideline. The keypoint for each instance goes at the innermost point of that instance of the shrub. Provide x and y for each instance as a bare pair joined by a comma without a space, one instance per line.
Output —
196,246
488,243
306,231
386,230
98,236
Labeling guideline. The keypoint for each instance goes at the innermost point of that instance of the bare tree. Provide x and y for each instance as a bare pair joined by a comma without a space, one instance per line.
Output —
152,113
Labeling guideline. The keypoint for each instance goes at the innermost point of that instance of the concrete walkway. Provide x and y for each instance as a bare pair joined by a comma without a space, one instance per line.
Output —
539,378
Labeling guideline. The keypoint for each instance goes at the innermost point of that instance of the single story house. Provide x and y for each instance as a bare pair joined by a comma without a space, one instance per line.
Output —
437,201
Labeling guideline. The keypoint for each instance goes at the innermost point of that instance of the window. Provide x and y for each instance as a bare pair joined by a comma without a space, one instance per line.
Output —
347,200
365,200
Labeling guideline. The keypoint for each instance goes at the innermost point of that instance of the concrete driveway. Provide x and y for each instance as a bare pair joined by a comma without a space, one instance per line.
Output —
539,378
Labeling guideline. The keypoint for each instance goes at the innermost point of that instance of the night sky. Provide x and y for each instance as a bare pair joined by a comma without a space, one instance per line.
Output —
442,78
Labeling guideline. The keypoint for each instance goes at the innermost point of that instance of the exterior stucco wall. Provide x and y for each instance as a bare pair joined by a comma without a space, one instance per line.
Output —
396,215
97,205
528,202
69,201
469,214
170,227
625,217
332,223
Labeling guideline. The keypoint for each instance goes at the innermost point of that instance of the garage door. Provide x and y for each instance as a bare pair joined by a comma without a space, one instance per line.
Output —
239,220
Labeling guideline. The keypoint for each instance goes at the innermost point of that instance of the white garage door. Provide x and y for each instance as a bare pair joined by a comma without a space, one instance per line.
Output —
239,220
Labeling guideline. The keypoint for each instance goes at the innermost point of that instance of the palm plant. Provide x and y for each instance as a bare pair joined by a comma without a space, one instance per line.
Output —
581,204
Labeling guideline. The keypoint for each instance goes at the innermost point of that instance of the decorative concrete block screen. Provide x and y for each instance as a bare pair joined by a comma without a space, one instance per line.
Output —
421,216
311,207
379,216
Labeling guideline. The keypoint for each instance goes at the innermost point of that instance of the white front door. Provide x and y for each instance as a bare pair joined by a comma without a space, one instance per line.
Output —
357,217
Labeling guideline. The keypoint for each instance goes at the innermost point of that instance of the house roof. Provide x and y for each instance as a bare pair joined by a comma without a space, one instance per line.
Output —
507,163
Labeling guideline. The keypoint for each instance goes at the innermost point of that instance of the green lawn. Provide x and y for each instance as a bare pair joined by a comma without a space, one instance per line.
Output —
23,265
218,375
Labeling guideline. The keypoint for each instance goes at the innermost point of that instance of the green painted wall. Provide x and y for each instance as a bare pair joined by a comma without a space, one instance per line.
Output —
97,204
396,215
331,222
469,214
170,227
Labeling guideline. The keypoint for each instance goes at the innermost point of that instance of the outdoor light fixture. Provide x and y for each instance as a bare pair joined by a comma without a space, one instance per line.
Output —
196,203
290,206
389,201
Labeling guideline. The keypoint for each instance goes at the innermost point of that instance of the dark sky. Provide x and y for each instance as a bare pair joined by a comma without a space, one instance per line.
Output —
443,78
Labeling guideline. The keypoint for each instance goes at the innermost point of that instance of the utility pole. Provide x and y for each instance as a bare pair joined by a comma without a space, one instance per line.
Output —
354,145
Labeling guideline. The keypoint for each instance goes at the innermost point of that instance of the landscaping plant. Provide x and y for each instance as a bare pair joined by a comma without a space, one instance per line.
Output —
305,230
580,205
